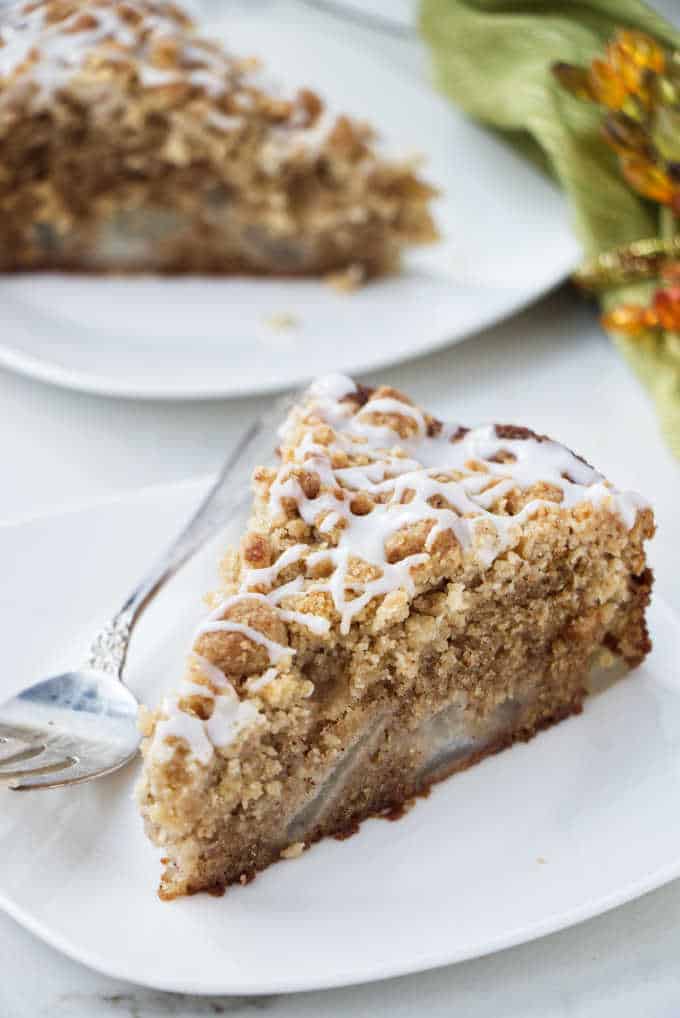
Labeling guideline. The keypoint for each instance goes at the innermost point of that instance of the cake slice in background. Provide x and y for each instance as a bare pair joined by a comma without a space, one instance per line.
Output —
410,596
128,142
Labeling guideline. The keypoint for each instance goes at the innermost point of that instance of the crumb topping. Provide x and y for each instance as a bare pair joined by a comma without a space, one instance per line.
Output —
152,45
373,503
51,40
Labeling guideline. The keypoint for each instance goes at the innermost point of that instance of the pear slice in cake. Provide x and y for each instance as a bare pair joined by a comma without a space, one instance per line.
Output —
129,142
410,596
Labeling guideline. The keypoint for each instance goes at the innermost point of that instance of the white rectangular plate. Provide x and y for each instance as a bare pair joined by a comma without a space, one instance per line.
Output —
544,835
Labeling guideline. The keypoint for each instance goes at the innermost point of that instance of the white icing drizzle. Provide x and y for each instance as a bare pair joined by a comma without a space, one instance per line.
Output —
332,386
278,594
257,682
394,406
211,672
330,522
268,574
215,621
223,121
404,474
180,725
230,717
65,46
276,651
319,626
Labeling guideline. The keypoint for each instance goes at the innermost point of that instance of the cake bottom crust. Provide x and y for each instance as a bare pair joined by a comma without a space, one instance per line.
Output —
161,241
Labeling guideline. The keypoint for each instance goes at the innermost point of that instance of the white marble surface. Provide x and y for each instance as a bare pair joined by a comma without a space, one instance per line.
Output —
550,368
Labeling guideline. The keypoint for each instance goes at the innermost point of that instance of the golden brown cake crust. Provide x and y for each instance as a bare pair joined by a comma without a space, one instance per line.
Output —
410,596
130,143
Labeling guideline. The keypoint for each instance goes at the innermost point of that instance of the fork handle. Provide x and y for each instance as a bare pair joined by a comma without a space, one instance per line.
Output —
227,494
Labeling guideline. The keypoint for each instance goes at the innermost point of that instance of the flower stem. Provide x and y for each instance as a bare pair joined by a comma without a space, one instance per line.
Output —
667,223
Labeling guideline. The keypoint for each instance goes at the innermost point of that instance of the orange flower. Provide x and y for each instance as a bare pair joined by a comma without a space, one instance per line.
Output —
666,308
608,85
670,273
648,179
631,56
629,82
629,319
632,49
624,71
663,313
630,60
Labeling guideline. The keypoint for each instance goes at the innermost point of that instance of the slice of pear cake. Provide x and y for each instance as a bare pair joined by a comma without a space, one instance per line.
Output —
130,143
409,597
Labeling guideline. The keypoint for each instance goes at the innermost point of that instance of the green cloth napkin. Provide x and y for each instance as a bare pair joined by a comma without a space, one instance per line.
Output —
493,59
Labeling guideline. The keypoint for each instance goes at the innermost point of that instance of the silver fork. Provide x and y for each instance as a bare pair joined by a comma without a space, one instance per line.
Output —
83,724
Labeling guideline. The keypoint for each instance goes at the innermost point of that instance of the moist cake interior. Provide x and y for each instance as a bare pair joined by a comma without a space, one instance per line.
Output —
410,596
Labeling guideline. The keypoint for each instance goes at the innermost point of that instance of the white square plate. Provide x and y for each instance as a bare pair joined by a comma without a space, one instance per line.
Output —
541,836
